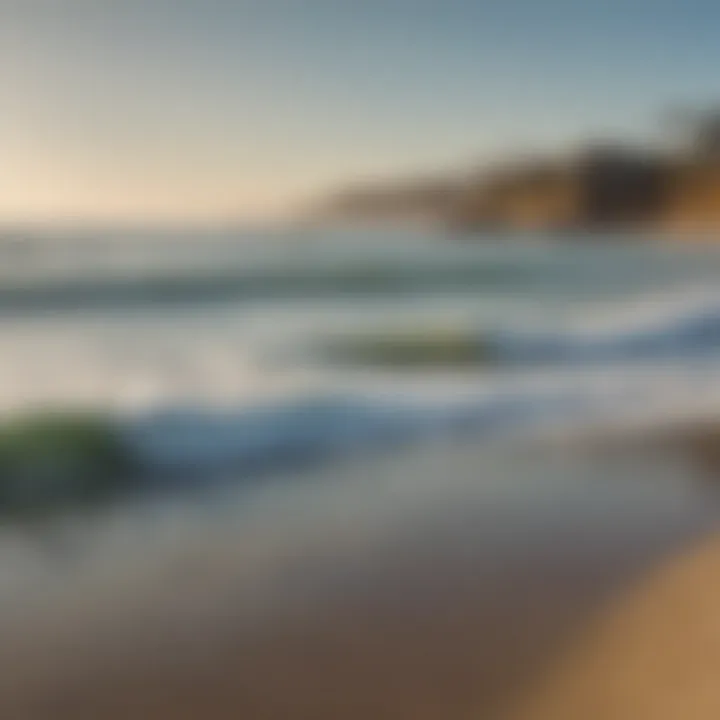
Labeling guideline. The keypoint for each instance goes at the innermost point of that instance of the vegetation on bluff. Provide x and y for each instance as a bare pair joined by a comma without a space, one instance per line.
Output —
604,186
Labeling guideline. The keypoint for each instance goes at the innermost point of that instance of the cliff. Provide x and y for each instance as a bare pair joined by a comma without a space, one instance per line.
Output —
602,187
693,197
597,188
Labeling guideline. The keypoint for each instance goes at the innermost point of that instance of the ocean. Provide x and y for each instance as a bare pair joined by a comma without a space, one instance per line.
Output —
242,350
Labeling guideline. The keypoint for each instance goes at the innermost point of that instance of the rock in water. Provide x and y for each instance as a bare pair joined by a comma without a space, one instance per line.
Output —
53,460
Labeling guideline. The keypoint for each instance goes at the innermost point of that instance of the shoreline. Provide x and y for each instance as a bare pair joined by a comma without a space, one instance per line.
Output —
405,598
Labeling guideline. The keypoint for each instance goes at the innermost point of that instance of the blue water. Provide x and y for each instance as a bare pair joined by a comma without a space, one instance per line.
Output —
205,349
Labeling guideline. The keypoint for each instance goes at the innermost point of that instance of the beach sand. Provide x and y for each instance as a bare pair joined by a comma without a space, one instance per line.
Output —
655,655
453,614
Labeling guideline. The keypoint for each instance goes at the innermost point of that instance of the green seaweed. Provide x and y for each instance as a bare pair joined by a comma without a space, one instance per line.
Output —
52,460
412,349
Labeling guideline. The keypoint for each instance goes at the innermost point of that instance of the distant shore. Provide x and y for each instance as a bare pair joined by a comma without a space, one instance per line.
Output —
608,186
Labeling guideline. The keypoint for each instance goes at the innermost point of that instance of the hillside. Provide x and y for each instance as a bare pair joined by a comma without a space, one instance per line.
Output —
610,186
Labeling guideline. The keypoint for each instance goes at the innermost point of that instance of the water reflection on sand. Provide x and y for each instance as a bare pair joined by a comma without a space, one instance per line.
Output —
432,585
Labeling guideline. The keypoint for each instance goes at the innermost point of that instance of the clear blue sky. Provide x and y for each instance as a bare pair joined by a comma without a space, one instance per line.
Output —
173,109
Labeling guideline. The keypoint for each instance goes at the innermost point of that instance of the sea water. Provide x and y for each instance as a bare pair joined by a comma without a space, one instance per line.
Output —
206,353
208,348
293,487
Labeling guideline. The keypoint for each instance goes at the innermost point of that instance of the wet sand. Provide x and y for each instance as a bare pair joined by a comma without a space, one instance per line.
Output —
444,589
653,655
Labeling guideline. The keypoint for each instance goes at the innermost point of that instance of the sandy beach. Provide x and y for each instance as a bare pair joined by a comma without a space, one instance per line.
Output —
653,654
446,608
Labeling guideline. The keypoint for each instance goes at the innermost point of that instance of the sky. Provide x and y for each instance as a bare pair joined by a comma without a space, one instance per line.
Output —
205,110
